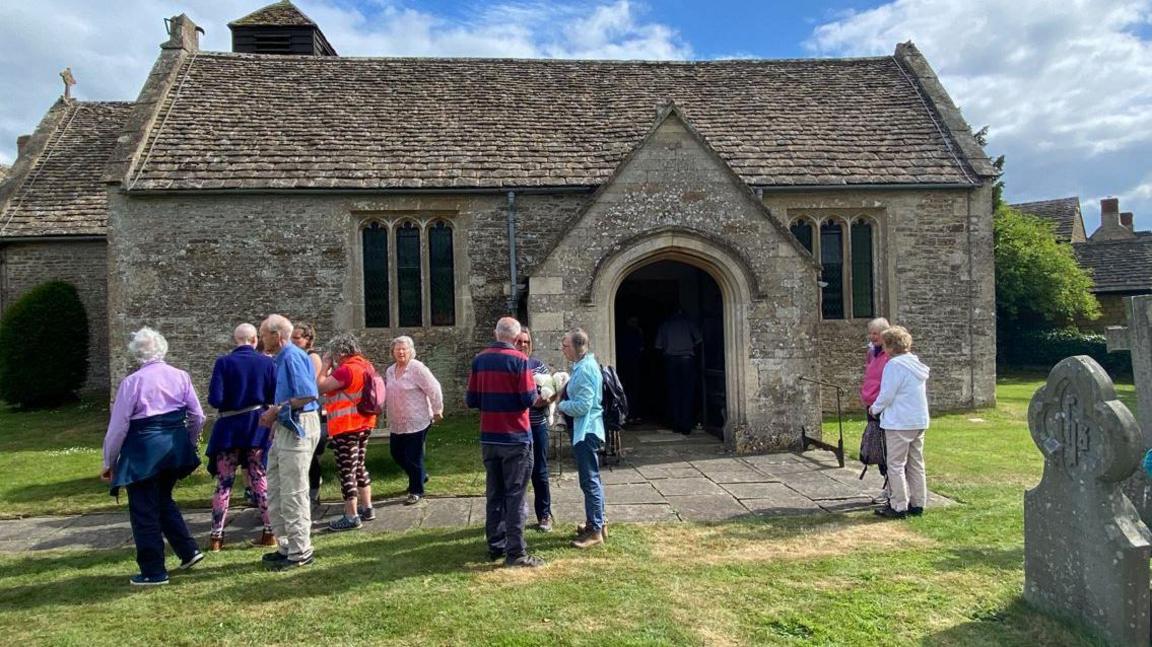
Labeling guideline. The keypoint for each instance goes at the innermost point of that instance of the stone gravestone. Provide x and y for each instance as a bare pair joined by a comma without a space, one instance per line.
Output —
1086,550
1137,338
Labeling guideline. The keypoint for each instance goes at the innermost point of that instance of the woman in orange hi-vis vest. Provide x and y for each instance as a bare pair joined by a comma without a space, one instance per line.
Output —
348,429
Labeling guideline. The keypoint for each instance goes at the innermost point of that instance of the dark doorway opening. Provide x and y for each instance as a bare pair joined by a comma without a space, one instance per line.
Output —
648,297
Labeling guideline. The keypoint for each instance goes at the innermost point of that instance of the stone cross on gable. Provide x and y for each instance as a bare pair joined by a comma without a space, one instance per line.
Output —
1137,338
1086,550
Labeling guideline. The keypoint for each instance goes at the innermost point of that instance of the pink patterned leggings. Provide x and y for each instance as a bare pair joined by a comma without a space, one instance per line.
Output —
226,465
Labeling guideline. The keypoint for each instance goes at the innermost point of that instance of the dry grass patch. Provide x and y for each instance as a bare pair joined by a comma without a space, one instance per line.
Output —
718,545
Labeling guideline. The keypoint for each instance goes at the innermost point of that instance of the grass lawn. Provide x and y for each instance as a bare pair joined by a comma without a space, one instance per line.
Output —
952,577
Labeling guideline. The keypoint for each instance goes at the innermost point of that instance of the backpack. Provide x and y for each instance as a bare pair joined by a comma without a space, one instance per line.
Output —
372,397
615,401
872,447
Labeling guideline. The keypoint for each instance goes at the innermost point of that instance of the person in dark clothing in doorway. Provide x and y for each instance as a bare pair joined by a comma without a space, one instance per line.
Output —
629,352
679,339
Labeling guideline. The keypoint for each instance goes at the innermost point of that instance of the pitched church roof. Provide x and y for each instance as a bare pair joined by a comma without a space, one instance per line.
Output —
277,14
1118,265
55,188
236,121
1064,213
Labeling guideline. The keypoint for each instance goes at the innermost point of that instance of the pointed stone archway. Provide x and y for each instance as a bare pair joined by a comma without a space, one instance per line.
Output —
736,293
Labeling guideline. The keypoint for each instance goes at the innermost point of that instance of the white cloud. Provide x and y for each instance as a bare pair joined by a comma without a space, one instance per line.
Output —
1066,88
111,51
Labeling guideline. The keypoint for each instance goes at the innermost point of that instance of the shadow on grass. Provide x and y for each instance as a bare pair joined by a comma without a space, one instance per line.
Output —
1019,623
1000,559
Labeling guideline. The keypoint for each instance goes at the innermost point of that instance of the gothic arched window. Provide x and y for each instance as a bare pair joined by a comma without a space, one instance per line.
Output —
802,230
375,248
441,275
863,302
832,260
408,292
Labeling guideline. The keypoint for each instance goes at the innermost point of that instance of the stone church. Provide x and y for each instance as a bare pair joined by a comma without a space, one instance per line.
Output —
780,203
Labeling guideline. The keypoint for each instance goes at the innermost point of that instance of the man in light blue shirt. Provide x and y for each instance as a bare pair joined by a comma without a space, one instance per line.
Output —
583,400
295,421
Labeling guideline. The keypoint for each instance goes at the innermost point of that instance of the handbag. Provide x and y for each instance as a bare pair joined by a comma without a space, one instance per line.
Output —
873,449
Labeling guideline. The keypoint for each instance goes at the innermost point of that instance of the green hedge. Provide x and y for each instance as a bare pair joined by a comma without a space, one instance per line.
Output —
1043,349
43,347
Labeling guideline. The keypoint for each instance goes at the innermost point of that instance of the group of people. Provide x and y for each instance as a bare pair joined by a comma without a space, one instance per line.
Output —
895,396
270,391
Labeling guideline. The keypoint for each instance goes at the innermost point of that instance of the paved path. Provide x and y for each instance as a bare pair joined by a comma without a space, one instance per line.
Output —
662,477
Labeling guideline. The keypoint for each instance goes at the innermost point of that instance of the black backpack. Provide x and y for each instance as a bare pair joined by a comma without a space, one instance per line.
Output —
615,400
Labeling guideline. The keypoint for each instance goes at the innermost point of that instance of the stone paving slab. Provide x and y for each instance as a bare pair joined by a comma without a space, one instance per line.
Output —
631,493
622,475
670,470
446,513
707,507
818,486
687,487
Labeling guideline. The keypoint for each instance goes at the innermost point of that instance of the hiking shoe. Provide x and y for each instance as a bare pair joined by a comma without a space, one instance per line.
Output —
412,499
589,539
494,555
915,511
289,564
527,561
888,513
582,529
192,561
545,524
266,540
142,580
215,544
274,556
344,523
366,514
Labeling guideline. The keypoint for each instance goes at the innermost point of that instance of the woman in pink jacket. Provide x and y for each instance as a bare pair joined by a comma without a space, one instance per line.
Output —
873,371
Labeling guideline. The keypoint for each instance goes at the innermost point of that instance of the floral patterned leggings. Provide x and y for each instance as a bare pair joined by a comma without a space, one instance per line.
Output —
351,449
226,465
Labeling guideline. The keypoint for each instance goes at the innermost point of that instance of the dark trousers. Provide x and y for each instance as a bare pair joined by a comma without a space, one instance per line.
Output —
541,490
408,452
154,517
680,373
314,469
508,469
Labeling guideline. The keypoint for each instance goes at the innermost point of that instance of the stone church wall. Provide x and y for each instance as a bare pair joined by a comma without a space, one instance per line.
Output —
84,264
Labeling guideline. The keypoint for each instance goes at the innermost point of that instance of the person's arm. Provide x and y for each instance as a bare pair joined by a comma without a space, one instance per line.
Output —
339,379
195,413
118,422
216,385
890,381
317,366
581,395
472,393
528,392
431,388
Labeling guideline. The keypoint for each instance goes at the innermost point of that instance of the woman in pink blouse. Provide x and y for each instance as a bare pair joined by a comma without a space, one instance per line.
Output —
413,402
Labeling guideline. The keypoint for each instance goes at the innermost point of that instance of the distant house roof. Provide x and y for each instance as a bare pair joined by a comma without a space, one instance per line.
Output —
59,191
239,121
1118,265
277,14
1064,213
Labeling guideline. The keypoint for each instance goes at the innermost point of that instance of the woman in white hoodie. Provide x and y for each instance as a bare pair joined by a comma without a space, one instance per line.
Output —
903,409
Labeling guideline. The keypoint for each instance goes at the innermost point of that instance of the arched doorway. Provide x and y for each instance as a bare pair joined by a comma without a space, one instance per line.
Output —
689,299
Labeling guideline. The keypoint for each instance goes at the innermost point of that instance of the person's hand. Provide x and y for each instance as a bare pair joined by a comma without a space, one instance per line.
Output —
540,402
437,417
268,418
106,475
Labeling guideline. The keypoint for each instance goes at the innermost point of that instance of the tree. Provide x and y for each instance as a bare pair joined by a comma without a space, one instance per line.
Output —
1038,281
43,346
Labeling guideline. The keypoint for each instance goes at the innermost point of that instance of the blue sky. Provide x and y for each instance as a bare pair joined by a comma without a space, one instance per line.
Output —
1064,87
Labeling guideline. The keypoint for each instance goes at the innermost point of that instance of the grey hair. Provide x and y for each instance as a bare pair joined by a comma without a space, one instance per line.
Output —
507,329
407,341
344,344
879,324
245,333
147,345
579,340
280,324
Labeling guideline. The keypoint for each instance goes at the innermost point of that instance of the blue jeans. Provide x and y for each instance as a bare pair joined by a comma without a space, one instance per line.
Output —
541,490
588,467
154,517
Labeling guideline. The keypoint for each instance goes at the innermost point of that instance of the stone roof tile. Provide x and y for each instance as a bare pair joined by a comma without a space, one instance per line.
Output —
277,14
62,193
1064,213
1118,265
310,122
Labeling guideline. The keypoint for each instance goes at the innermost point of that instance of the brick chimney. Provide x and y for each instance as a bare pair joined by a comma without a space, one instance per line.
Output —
182,34
1126,220
1112,226
21,142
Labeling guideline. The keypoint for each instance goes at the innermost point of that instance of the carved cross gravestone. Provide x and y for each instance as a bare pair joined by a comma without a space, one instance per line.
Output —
1086,550
1137,338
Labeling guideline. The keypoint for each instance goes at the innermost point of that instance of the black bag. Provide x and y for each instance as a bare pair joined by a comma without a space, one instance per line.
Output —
873,449
614,399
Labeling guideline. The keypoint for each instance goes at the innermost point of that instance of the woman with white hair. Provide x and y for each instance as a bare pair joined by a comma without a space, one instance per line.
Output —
902,405
413,403
348,428
151,444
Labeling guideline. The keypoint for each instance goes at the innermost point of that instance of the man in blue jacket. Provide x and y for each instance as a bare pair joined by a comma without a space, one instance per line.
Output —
583,400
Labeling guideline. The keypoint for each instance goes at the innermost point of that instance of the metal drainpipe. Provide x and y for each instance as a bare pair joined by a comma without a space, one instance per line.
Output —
513,291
